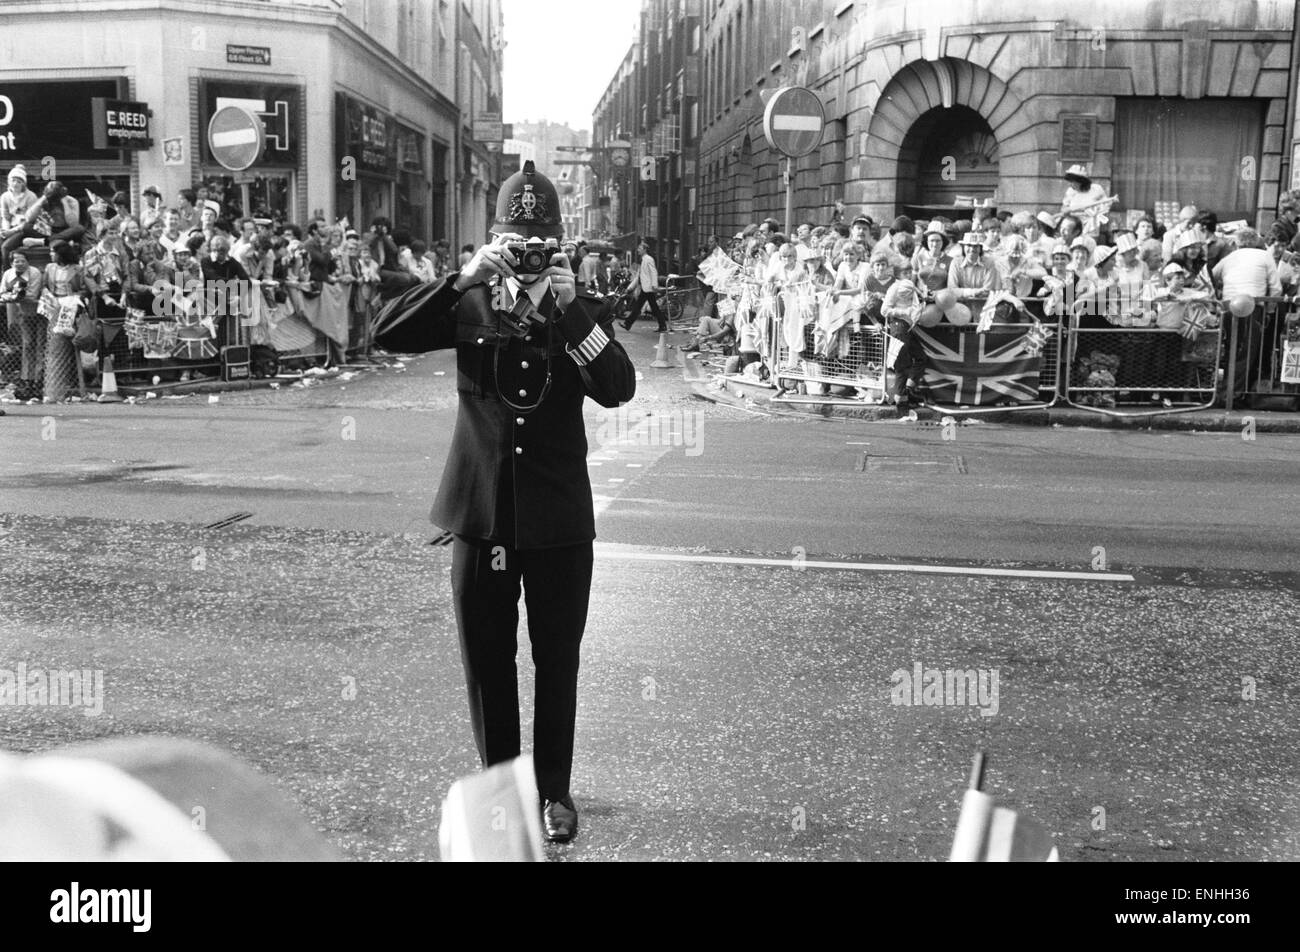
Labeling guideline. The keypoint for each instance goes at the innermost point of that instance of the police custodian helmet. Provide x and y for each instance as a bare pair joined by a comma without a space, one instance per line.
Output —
528,205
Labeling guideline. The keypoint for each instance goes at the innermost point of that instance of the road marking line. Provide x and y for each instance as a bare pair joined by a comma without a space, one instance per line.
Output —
867,566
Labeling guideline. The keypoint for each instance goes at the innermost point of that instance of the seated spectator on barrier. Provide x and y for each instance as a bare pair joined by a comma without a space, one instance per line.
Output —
14,203
55,216
930,262
1249,270
972,278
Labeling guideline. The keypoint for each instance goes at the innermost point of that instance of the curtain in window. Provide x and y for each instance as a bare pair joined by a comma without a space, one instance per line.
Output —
1190,152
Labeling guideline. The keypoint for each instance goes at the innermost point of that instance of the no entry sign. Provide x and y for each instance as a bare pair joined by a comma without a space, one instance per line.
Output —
236,137
793,121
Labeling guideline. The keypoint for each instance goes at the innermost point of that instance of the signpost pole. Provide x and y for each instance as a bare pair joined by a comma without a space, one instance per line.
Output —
789,197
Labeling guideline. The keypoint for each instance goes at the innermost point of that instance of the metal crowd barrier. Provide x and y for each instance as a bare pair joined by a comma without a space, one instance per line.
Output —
1153,368
1256,352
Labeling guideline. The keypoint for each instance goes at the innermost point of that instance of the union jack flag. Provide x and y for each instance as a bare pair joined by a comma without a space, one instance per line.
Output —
976,369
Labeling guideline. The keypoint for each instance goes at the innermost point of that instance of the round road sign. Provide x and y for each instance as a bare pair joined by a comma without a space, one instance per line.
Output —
793,121
236,137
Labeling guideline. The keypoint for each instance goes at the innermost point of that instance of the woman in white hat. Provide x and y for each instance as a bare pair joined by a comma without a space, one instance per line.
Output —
1131,274
972,277
1085,199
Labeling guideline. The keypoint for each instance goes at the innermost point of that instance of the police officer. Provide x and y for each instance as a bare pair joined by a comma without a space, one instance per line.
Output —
530,346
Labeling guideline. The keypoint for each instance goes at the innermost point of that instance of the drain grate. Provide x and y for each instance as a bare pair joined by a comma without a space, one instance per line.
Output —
955,463
444,539
229,520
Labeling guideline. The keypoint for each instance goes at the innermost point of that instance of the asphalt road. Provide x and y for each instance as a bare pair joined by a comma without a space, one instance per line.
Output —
744,708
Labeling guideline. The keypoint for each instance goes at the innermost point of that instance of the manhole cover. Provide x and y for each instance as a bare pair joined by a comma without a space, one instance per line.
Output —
915,465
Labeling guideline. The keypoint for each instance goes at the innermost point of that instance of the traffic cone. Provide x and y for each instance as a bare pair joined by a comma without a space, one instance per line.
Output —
661,353
108,386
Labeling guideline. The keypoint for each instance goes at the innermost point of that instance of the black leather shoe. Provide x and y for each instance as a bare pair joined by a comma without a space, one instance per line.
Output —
560,820
627,325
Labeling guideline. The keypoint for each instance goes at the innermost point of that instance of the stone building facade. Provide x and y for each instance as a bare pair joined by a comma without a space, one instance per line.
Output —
928,103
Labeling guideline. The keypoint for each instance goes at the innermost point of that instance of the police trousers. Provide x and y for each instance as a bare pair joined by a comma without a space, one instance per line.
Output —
485,581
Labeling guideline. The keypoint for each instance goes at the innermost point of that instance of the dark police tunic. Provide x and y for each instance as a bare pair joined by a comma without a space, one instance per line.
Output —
516,475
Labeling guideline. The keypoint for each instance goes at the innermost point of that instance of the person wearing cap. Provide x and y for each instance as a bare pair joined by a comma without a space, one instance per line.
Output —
515,492
1081,257
930,263
152,209
208,225
971,278
1085,199
14,203
860,231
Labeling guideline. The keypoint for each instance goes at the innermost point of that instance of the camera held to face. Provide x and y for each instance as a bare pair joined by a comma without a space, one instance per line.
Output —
533,256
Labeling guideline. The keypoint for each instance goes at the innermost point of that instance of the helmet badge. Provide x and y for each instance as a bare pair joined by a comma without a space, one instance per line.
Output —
527,205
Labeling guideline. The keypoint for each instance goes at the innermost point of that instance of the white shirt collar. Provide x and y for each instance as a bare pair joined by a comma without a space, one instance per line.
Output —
536,291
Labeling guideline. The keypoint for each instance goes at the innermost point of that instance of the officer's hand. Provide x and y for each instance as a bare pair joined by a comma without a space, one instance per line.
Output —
562,280
489,261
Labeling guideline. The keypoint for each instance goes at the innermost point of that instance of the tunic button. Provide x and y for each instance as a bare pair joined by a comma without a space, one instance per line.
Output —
523,364
518,450
519,421
528,337
480,340
523,393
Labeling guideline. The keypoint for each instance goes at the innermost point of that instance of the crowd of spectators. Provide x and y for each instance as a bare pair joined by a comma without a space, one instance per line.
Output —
177,261
1077,264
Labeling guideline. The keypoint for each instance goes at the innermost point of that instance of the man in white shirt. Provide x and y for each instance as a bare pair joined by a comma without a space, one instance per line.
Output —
1249,270
648,281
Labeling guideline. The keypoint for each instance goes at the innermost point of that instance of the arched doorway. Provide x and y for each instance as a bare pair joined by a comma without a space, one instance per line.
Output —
947,152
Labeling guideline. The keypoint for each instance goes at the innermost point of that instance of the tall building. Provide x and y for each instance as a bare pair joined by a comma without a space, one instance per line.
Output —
650,115
352,108
1187,102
